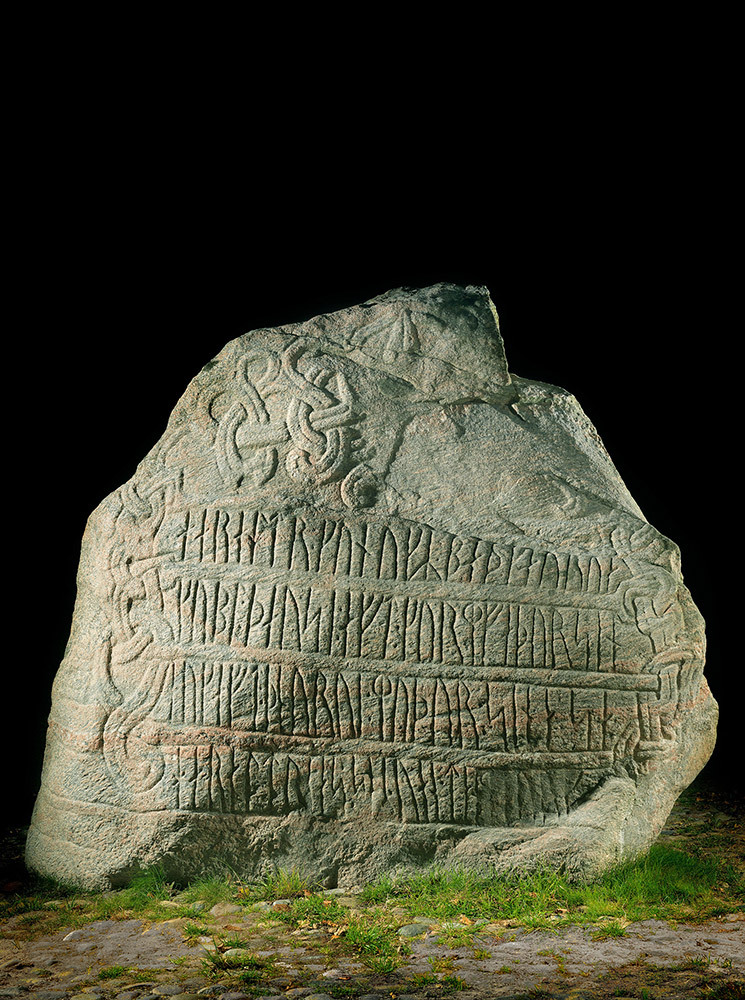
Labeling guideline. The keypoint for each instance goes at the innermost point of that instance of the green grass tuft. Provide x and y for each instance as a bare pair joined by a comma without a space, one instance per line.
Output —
375,945
611,929
232,941
112,972
665,884
280,884
194,931
211,889
144,889
247,968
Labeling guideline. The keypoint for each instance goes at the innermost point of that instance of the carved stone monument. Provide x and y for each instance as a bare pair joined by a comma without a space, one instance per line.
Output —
371,602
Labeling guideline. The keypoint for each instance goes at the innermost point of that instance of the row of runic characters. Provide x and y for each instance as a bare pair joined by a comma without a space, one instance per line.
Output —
496,716
360,548
355,624
346,786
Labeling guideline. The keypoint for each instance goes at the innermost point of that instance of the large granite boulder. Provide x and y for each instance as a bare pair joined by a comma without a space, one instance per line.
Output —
371,602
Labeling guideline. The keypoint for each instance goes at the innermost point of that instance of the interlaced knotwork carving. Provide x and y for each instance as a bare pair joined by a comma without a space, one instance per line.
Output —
316,421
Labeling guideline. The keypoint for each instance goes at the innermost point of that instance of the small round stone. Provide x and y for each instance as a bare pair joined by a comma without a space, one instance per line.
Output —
224,909
411,930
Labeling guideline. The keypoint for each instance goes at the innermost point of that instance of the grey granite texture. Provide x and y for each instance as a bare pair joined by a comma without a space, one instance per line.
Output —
371,602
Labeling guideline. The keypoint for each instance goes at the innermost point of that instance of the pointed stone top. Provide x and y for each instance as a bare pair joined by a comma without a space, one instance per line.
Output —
443,339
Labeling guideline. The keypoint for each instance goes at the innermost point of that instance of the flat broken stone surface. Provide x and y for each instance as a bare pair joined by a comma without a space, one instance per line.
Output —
371,602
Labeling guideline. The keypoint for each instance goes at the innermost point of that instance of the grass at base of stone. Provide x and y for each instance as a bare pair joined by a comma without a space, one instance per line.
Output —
211,889
665,884
50,905
704,879
724,991
280,884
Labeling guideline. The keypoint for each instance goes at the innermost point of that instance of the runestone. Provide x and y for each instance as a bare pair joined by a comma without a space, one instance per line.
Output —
372,602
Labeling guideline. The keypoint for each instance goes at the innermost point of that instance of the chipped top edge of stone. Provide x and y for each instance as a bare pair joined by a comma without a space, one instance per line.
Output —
491,372
405,292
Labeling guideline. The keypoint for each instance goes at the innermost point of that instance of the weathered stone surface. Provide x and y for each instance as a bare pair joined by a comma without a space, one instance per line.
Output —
371,601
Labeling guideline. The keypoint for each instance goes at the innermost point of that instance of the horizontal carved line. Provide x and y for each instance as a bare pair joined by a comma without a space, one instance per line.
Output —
171,738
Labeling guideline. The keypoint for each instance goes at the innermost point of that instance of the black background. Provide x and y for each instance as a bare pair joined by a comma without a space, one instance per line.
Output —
607,271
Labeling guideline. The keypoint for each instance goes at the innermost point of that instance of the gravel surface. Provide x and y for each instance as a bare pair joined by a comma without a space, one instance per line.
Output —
130,959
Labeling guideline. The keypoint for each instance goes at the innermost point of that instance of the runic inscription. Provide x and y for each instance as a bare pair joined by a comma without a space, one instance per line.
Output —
218,778
276,637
